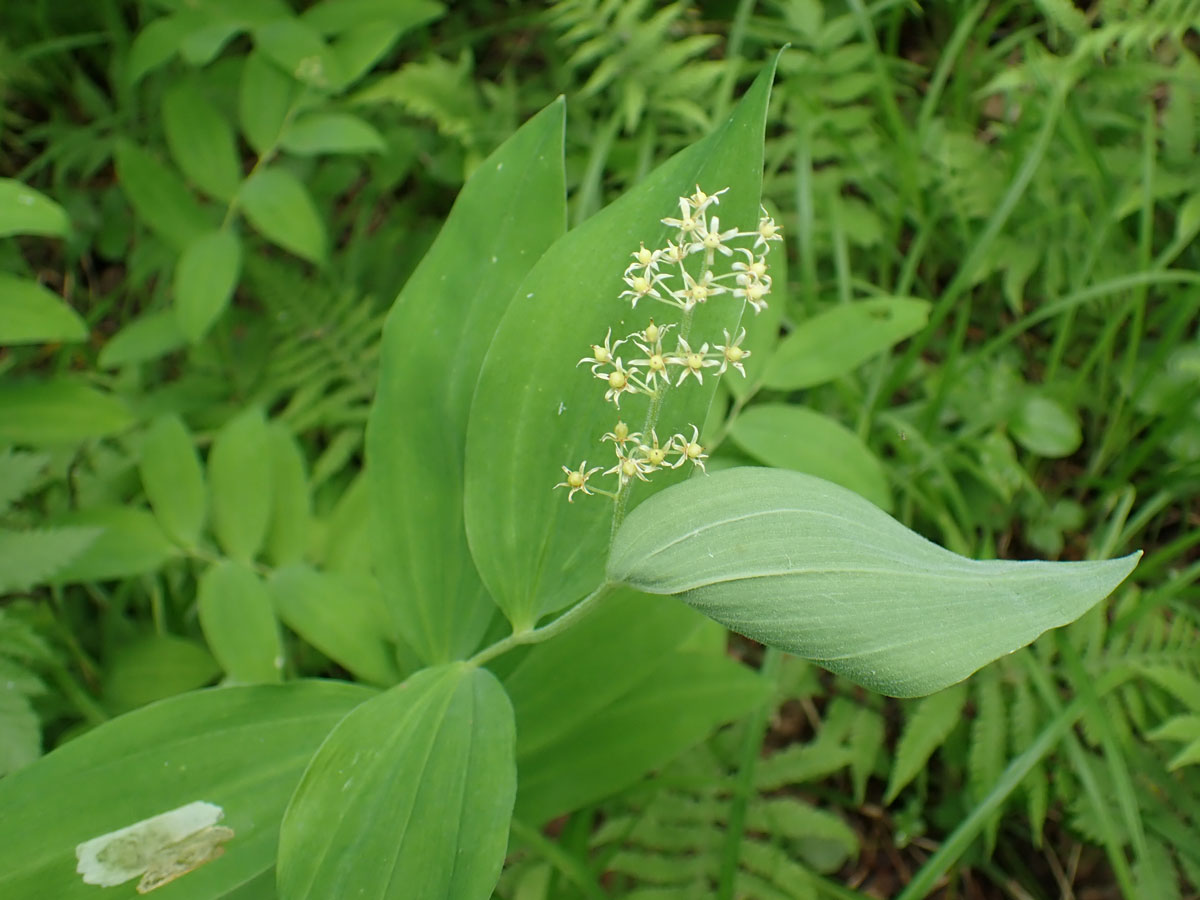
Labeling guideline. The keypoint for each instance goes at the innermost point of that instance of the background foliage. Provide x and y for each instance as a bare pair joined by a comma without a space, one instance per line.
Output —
989,329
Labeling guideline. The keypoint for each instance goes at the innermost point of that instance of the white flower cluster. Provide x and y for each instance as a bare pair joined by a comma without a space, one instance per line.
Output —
662,275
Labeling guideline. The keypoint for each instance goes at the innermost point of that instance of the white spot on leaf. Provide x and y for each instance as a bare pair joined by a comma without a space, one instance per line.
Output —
160,848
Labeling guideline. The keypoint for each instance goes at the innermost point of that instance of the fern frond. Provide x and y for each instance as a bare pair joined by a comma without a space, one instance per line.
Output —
28,558
930,721
18,475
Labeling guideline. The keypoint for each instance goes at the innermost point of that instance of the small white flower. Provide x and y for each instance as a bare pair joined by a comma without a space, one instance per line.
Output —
621,435
687,223
620,381
652,455
753,269
628,467
642,285
753,292
602,354
692,362
577,480
713,239
731,352
767,231
689,451
647,259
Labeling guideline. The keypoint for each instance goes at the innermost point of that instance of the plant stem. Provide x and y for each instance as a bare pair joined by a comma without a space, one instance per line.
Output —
537,635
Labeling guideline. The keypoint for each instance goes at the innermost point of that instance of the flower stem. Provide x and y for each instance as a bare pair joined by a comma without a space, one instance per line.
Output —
537,635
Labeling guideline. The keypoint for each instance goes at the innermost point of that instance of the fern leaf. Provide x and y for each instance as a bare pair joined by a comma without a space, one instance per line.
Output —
930,723
20,731
18,474
1155,873
31,557
818,837
1034,785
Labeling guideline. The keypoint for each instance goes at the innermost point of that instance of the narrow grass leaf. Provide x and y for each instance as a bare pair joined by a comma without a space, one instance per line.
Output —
188,748
807,566
409,797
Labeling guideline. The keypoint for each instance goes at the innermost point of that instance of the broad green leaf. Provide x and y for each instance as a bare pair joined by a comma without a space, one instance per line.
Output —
20,731
205,277
156,44
240,748
1046,427
299,50
536,409
156,667
291,507
202,46
280,209
332,133
357,50
32,557
174,479
342,616
792,437
239,623
337,16
841,339
675,706
812,568
147,337
239,478
58,411
26,211
927,726
410,796
31,314
201,140
594,663
158,196
130,543
510,210
265,95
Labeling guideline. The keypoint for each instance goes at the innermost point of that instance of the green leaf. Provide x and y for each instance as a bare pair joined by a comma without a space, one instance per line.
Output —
240,748
130,543
536,410
280,209
19,474
1046,427
31,314
792,437
26,211
510,210
291,507
594,663
299,50
156,44
20,731
158,196
332,133
337,16
58,411
358,49
265,96
342,616
201,140
239,478
931,721
239,624
147,337
841,339
205,278
419,782
29,558
812,568
156,667
174,479
675,706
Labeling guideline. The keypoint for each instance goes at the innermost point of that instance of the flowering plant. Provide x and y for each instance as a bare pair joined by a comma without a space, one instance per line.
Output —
413,785
662,276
